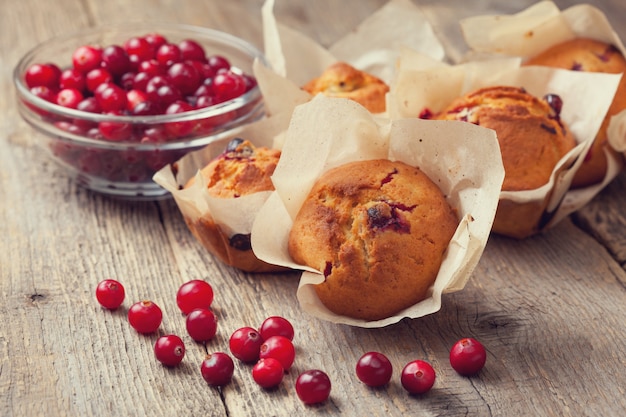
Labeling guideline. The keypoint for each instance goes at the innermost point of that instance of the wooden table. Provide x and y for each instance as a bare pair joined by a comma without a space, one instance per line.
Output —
549,309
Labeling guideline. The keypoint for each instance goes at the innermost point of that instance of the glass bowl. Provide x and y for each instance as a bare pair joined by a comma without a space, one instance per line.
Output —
123,166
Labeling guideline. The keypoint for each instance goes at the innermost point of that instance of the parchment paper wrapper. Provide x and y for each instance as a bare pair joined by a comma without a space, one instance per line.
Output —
373,46
216,222
325,133
427,84
534,30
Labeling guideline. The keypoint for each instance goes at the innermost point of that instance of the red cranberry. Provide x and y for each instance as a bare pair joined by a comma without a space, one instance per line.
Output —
169,350
217,369
140,47
313,386
115,60
151,67
418,377
97,77
374,369
72,78
115,131
201,324
168,53
140,80
279,348
218,62
245,344
46,75
276,326
194,294
184,77
133,98
191,50
268,372
86,58
228,85
69,97
112,98
145,316
468,356
89,104
183,128
127,80
155,40
45,93
110,294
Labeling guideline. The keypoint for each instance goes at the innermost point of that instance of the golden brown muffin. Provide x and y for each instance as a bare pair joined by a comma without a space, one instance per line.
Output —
378,231
240,170
343,80
583,54
532,138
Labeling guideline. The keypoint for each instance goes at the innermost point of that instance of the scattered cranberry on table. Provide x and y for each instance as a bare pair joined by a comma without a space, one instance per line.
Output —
418,377
201,324
245,344
374,369
217,369
276,326
279,348
313,386
145,316
194,294
110,294
268,372
468,356
169,350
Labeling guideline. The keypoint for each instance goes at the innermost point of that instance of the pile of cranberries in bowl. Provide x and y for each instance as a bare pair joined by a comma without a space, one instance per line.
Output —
117,104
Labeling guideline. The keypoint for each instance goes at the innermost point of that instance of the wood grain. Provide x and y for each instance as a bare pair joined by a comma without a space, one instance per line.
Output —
549,309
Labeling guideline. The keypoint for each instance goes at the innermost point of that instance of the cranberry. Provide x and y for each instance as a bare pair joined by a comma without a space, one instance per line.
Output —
115,60
169,350
72,78
374,369
245,344
279,348
184,77
86,58
111,98
228,85
313,386
110,294
127,80
155,40
179,129
161,92
268,372
201,324
418,377
139,47
45,93
141,79
96,78
69,97
89,104
218,62
217,369
191,50
115,131
133,98
151,67
194,294
555,102
145,316
468,356
168,53
276,326
46,75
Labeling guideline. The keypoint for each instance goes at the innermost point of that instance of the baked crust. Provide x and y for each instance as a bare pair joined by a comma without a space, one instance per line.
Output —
343,80
378,230
582,54
532,138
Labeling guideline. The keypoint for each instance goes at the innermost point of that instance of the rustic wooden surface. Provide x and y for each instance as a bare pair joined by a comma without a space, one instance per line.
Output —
549,309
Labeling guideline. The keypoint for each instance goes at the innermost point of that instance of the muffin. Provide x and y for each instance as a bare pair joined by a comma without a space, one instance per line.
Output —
378,231
345,81
582,54
531,135
241,170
